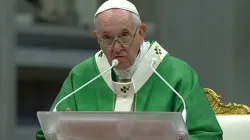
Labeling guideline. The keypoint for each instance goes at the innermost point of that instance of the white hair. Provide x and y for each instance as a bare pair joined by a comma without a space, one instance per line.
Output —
136,19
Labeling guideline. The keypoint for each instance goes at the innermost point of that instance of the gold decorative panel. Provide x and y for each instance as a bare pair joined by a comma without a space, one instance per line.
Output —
222,108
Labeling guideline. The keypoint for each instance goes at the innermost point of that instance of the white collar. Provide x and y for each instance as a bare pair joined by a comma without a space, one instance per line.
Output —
143,70
128,73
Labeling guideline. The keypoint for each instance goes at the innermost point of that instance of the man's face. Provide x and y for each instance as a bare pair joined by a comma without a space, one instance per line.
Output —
118,25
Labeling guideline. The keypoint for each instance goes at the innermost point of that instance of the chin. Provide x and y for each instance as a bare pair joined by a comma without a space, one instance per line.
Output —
122,67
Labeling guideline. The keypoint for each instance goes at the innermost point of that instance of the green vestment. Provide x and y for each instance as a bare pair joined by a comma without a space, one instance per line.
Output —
152,94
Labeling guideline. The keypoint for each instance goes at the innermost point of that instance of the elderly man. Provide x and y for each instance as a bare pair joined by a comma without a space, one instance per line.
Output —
133,85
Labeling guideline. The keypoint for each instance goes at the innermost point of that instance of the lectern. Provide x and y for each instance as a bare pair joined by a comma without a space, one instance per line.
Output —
113,126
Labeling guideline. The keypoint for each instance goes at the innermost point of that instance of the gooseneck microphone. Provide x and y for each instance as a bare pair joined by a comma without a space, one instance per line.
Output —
114,63
184,112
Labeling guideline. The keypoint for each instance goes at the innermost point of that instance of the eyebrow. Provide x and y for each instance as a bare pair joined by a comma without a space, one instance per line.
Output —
122,30
125,28
105,33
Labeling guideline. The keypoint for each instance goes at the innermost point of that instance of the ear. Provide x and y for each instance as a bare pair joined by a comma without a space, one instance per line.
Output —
142,32
95,35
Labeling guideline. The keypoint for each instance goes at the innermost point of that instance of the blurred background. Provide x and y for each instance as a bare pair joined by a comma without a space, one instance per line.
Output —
41,40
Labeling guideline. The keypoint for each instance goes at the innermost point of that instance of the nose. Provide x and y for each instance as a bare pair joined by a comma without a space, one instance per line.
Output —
117,46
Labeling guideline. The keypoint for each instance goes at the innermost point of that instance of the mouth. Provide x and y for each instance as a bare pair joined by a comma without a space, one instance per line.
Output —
118,57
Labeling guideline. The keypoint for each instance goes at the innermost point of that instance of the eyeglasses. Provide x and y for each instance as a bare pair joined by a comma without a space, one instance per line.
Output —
124,39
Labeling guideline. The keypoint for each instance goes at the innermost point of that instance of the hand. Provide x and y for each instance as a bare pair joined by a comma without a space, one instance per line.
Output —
68,109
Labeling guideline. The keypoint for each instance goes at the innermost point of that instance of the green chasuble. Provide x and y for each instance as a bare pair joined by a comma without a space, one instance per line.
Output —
150,92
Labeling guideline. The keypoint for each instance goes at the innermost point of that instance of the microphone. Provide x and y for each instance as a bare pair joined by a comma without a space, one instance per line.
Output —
184,112
115,62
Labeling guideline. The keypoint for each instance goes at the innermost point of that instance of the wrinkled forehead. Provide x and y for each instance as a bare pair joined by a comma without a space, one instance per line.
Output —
114,20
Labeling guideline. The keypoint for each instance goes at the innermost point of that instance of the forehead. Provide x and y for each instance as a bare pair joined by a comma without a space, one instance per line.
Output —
114,20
